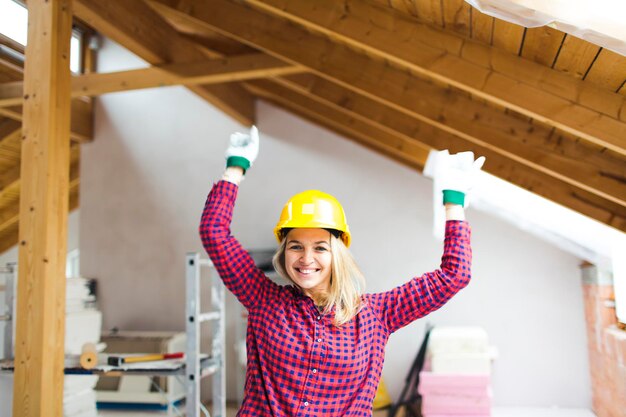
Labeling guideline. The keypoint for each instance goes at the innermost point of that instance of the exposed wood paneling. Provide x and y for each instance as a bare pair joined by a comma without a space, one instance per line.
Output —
40,324
516,139
405,131
508,36
542,44
213,71
456,16
429,11
608,70
386,84
404,6
134,24
576,56
480,70
481,26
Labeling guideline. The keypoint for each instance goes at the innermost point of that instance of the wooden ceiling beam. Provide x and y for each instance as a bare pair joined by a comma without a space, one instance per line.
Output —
212,71
383,141
532,89
298,92
591,168
134,25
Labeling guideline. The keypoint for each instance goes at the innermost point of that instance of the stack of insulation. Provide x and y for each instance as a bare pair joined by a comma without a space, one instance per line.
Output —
457,382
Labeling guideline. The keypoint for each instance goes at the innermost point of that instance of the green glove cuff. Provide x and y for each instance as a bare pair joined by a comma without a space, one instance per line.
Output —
238,161
454,197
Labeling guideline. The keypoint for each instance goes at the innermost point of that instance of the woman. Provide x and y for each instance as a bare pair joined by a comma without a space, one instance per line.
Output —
317,347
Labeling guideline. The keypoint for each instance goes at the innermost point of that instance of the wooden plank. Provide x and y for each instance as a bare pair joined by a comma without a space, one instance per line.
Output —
134,25
508,36
40,324
10,43
542,44
401,132
429,11
12,67
485,72
608,70
404,6
576,56
530,144
456,16
238,68
481,26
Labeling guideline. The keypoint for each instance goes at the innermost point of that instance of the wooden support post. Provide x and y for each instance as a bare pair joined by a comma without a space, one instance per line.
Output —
39,347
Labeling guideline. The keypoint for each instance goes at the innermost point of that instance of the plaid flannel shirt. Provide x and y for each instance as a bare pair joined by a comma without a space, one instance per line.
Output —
299,363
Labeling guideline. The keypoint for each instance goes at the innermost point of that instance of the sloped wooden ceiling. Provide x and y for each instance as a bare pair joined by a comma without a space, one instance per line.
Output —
401,77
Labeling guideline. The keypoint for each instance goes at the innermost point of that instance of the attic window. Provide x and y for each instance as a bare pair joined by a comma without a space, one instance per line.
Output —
14,25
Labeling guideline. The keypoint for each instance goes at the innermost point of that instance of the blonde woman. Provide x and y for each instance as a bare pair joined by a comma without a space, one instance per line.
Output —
316,347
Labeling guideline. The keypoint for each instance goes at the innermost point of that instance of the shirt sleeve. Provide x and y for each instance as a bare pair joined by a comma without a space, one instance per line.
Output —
233,263
425,294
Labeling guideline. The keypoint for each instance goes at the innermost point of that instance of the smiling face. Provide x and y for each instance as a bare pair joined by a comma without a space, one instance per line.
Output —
308,259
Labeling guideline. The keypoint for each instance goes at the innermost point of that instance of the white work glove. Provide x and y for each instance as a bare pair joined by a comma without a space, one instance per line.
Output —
455,174
243,149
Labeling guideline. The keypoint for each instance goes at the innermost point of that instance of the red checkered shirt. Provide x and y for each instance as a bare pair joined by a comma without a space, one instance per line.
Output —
299,363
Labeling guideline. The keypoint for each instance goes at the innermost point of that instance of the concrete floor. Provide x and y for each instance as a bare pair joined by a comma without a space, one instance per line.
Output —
497,412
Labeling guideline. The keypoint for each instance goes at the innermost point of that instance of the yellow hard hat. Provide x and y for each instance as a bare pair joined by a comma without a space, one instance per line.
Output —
313,209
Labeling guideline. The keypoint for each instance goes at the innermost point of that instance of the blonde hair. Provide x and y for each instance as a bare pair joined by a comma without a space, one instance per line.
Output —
346,282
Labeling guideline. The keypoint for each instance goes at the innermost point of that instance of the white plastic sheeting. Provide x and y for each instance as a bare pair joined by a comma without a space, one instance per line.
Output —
600,22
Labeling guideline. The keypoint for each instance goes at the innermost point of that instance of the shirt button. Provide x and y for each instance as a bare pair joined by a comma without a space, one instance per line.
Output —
319,340
314,371
319,317
306,403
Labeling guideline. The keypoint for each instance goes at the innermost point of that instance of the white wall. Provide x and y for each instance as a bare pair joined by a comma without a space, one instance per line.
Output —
145,178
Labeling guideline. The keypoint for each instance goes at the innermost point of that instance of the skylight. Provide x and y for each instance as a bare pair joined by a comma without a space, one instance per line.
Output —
14,24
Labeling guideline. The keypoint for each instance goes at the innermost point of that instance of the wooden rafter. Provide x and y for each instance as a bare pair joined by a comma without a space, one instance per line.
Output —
410,131
135,25
212,71
530,145
527,87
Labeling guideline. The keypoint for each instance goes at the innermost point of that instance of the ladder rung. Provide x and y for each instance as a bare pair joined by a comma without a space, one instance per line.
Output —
213,315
